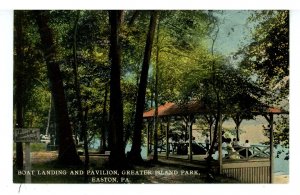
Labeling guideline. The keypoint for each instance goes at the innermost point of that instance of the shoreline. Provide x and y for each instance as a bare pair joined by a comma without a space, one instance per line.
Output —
281,178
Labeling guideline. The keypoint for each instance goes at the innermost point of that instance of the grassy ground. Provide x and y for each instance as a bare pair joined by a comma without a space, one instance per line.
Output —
46,170
34,147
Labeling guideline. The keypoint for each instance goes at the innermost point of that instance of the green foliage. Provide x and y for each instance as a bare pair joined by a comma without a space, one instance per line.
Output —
33,75
268,57
188,69
268,53
237,93
181,47
281,133
37,108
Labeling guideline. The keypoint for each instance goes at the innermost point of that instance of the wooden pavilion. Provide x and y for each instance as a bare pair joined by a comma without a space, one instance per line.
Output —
254,167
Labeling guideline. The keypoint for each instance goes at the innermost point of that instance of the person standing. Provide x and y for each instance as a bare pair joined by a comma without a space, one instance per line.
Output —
207,143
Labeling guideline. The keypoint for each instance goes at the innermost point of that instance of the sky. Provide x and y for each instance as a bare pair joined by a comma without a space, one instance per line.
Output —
234,31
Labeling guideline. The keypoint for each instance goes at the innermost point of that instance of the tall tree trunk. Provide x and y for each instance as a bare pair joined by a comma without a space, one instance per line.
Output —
103,145
83,133
210,178
218,111
67,154
210,119
238,120
137,140
117,156
49,116
20,85
155,156
134,17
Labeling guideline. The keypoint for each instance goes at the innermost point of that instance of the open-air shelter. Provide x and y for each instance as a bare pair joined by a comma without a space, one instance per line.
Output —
256,167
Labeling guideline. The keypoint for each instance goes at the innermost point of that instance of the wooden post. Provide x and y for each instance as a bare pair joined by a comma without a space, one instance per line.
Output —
151,130
148,130
270,120
271,148
191,118
26,136
220,143
27,163
186,127
155,154
161,131
167,137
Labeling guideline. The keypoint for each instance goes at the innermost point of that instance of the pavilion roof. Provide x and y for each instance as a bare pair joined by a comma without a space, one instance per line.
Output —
195,107
173,109
269,110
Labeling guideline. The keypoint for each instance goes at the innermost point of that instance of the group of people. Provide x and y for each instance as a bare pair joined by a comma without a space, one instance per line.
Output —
236,143
180,145
230,148
233,148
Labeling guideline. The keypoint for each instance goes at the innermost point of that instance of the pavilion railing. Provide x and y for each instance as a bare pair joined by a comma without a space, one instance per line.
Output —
247,153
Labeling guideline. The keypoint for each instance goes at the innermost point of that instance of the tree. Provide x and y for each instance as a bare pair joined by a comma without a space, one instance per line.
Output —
82,121
103,145
67,152
31,93
268,54
93,71
117,156
155,122
182,46
19,77
281,134
140,104
268,57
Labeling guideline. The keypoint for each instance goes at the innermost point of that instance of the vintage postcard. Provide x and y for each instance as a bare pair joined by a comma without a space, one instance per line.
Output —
151,96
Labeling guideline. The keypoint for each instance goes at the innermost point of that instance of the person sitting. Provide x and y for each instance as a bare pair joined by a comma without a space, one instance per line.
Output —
197,148
228,144
182,147
246,152
228,147
194,140
236,144
247,144
225,145
232,153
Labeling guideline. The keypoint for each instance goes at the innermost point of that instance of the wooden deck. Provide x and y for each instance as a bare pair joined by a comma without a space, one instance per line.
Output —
253,168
